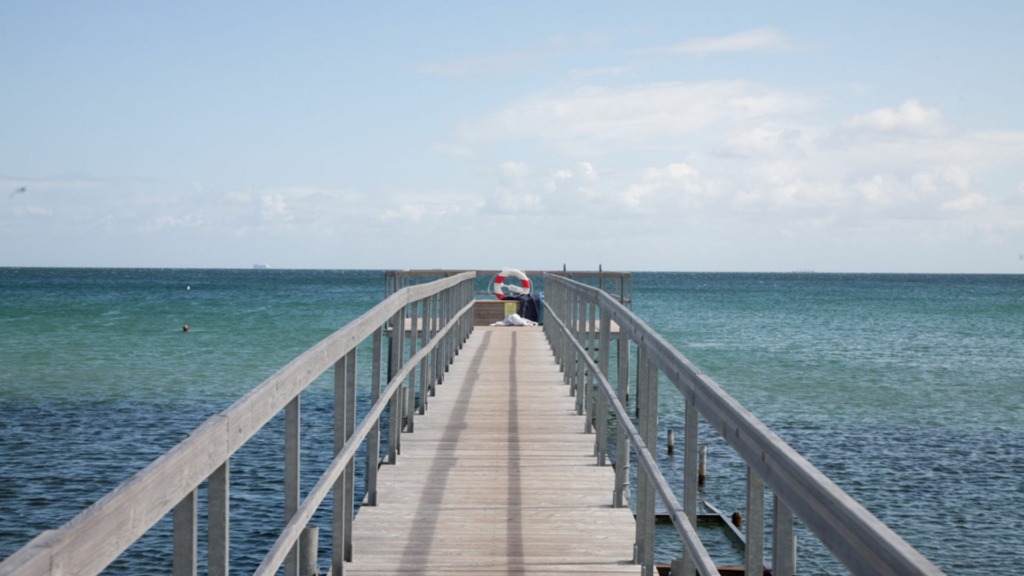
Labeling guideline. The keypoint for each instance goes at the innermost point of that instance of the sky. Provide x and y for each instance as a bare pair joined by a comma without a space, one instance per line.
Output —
743,136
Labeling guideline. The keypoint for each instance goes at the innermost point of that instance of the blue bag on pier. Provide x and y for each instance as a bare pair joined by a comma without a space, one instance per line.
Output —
531,307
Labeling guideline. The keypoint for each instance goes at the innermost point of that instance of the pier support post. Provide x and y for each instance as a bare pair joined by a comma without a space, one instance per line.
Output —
648,428
292,461
344,425
373,441
603,362
622,449
396,352
308,561
784,541
691,448
184,562
218,521
755,523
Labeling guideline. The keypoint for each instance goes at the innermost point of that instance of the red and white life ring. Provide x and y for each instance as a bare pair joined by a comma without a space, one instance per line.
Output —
499,281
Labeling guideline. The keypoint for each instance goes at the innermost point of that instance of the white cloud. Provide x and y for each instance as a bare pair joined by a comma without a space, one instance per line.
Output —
575,189
760,39
770,140
968,203
676,186
274,207
934,181
238,197
513,174
404,213
633,113
32,211
910,117
173,221
514,191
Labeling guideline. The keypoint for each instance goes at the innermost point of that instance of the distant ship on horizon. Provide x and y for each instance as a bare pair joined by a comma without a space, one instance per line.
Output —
260,266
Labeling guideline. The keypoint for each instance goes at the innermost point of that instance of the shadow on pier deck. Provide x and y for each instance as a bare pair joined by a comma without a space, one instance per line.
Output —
498,478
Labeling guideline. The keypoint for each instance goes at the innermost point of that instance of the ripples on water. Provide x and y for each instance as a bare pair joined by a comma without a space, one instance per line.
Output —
905,390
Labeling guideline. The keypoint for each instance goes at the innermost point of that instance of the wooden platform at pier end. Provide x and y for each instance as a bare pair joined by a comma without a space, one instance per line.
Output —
498,477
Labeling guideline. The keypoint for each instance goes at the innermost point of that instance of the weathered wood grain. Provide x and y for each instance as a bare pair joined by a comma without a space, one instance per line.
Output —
498,478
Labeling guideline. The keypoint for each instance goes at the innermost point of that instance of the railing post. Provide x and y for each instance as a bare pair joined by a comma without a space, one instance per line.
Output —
564,351
308,565
410,388
349,405
754,560
604,351
344,421
218,519
292,461
425,363
691,460
395,359
447,307
185,536
581,367
440,313
783,540
622,449
590,306
429,379
373,441
648,428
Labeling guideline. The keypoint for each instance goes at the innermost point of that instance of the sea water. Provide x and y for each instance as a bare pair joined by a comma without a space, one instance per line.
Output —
906,390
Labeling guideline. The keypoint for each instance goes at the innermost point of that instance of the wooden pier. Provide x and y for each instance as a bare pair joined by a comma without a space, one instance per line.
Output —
508,472
498,476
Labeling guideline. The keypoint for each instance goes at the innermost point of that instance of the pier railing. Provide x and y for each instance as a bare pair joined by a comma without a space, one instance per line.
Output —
578,323
617,284
437,318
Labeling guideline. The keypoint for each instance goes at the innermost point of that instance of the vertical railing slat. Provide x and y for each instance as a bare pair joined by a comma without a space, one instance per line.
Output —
783,540
373,442
410,389
186,530
340,522
691,460
622,447
591,329
349,407
395,359
218,519
292,471
754,554
604,360
425,363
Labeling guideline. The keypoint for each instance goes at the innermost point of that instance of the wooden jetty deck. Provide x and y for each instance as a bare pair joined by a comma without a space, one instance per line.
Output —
498,476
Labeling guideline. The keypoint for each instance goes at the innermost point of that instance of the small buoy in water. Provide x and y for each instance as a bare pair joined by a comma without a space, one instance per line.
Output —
184,328
188,287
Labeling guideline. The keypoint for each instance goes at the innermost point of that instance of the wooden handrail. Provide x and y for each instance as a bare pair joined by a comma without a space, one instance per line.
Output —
862,542
99,534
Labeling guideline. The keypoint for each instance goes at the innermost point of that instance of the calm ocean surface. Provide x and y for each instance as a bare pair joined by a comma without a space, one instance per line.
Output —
906,390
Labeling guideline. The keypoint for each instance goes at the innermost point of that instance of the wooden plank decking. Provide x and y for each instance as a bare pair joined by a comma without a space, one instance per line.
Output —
498,477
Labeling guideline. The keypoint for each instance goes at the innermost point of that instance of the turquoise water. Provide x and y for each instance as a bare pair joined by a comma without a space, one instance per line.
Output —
907,390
